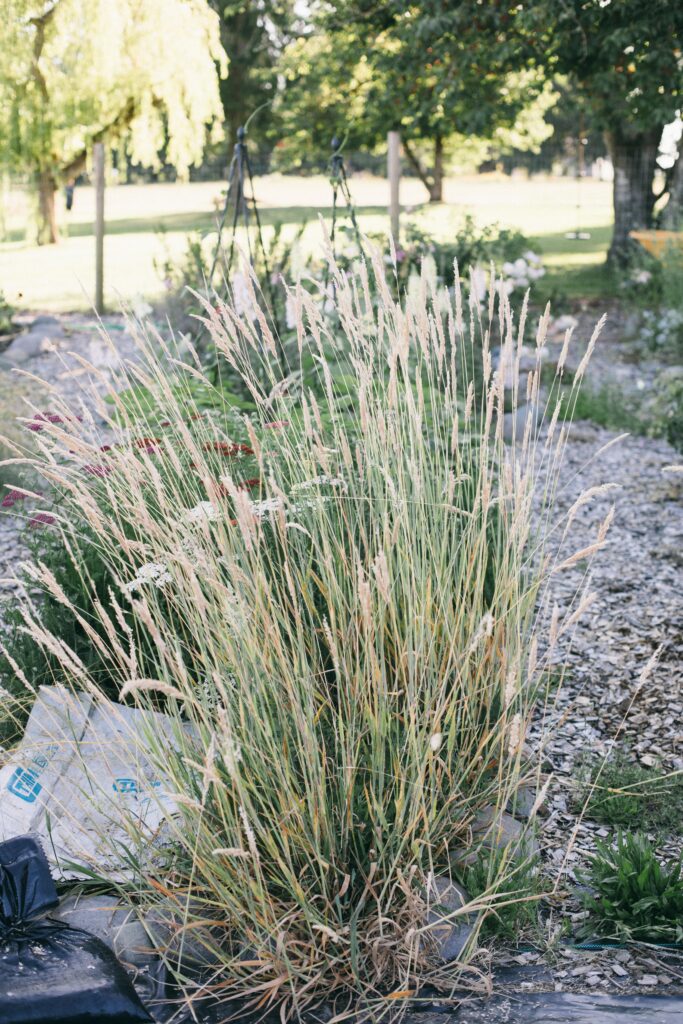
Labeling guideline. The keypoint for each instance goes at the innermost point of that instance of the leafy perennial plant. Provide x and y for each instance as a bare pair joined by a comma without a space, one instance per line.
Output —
347,647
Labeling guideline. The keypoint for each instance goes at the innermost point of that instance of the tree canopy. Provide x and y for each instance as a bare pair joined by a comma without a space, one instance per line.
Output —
253,34
625,57
73,72
430,69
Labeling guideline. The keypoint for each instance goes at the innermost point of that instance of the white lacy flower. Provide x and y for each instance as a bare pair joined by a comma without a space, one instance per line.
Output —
314,503
204,512
318,481
151,572
264,508
435,741
141,308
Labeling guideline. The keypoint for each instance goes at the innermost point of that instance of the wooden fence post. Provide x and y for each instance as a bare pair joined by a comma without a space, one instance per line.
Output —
394,173
98,161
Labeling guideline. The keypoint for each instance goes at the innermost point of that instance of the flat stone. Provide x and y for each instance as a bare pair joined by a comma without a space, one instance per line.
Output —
521,804
450,935
50,325
493,829
514,423
116,925
165,926
559,1008
583,430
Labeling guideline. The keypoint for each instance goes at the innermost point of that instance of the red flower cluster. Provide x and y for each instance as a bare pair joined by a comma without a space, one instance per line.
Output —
227,449
39,520
40,418
12,497
221,491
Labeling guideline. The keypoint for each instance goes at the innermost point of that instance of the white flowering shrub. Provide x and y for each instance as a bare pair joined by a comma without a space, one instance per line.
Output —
663,329
352,633
522,272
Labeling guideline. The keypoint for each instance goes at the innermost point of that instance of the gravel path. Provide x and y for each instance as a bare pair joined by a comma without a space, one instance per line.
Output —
602,703
53,344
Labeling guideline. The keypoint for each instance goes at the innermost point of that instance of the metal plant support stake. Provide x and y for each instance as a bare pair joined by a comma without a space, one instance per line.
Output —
242,206
340,184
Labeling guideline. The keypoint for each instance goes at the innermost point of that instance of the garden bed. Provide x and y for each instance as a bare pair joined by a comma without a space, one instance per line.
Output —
600,704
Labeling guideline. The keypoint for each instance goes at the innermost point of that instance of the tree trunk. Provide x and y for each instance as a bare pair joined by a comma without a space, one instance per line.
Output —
436,184
672,217
432,182
48,231
634,161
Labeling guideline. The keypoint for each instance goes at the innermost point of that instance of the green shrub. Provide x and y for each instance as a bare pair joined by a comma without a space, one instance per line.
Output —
606,406
6,316
17,394
512,888
470,246
81,578
665,408
191,272
619,791
81,572
632,895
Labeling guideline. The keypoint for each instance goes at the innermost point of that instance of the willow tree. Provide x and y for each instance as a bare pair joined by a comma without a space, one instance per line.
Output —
76,72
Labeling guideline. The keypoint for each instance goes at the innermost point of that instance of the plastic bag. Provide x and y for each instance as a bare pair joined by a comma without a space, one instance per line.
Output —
81,780
51,973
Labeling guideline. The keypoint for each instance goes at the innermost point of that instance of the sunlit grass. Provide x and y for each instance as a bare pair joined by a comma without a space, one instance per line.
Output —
145,221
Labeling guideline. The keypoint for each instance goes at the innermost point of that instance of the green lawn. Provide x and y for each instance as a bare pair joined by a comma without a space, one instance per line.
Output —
144,222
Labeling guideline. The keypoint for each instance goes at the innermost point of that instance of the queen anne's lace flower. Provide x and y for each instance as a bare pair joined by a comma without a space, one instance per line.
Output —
321,481
204,512
151,572
266,507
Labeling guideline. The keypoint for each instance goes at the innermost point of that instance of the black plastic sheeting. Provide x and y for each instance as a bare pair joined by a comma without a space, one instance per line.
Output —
561,1008
51,973
527,1008
505,1007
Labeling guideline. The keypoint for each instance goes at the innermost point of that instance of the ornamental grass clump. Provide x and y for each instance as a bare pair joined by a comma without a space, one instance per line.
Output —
334,597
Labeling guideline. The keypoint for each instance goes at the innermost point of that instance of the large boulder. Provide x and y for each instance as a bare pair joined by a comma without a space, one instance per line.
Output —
26,346
514,423
33,342
49,325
